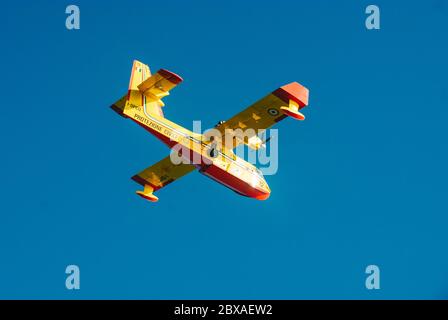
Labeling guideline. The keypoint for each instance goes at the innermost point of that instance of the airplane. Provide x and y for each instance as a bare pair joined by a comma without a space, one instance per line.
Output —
143,104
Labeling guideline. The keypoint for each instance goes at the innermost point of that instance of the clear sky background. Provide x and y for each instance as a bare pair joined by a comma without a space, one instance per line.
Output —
363,180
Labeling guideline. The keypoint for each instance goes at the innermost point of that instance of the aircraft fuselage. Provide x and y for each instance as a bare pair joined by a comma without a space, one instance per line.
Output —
221,165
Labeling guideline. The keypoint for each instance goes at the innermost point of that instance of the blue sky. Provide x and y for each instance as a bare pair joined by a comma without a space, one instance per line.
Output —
363,180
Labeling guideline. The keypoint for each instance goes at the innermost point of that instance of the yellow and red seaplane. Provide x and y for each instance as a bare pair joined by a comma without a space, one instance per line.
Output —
212,155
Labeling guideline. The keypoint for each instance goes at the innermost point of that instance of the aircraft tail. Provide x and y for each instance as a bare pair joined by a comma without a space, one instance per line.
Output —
135,96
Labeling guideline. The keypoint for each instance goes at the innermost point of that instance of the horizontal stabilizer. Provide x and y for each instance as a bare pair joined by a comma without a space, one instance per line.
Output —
158,85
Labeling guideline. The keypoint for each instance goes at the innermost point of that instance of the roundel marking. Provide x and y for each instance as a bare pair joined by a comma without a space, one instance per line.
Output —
273,112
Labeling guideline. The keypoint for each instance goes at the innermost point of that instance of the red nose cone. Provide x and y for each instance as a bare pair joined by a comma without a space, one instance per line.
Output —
263,196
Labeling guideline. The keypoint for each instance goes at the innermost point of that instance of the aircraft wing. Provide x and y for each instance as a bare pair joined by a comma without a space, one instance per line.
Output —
159,175
263,114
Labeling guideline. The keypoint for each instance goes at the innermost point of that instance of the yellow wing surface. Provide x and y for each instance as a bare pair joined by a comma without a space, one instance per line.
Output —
283,102
159,175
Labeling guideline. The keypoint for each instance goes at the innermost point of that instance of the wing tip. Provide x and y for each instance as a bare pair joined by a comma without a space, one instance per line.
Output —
293,91
171,76
139,180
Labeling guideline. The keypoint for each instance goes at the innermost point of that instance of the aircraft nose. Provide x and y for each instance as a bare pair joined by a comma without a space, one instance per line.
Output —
265,192
263,195
268,191
266,187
